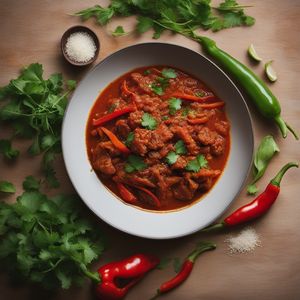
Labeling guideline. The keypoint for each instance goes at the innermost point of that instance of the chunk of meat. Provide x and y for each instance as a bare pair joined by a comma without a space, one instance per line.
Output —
222,127
218,147
147,103
141,139
206,136
135,119
205,173
183,133
143,82
185,190
180,163
159,137
109,148
103,163
123,128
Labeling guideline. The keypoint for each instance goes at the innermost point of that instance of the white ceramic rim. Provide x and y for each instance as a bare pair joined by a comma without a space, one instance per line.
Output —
143,223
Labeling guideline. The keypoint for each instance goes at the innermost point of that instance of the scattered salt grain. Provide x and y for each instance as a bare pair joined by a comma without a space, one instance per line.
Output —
246,241
80,47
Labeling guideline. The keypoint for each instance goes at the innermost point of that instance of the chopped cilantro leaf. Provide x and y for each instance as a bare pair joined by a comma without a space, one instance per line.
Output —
157,89
180,147
147,72
174,105
165,118
171,158
134,163
7,187
196,164
119,31
148,121
129,139
169,73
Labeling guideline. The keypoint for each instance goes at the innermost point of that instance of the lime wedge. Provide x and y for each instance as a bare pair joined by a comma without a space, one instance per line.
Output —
271,74
253,54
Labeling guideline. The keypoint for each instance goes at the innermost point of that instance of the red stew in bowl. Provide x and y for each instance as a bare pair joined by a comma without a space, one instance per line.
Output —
158,138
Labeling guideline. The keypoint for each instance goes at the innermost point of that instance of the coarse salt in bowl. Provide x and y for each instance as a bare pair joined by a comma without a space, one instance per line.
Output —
80,45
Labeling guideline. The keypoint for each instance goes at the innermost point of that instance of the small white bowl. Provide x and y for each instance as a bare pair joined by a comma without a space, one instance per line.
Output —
151,224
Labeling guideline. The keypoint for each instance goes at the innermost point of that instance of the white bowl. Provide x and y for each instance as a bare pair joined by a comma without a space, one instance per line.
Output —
105,204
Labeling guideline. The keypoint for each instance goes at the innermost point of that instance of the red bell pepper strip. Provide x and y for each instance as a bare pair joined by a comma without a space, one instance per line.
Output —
185,270
155,200
116,142
212,105
258,207
131,270
125,89
126,195
113,115
201,120
192,97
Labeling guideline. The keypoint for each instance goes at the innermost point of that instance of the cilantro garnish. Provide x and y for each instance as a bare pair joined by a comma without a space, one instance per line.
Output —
35,108
169,73
180,147
196,164
129,139
148,121
6,187
46,240
174,105
171,158
119,31
134,163
147,72
157,89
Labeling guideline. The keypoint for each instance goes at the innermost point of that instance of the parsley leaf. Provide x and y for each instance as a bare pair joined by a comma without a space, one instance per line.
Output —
35,108
196,164
171,158
102,15
129,139
169,73
134,163
31,184
119,31
148,121
174,105
47,240
7,187
7,150
143,24
180,147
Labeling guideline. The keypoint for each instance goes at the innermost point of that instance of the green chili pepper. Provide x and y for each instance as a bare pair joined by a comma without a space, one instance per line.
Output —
257,90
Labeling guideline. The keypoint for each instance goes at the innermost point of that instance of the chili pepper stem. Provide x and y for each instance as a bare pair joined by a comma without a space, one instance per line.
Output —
277,179
215,226
202,247
91,275
295,134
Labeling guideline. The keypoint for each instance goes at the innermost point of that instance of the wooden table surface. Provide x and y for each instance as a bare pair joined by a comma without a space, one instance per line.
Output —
30,31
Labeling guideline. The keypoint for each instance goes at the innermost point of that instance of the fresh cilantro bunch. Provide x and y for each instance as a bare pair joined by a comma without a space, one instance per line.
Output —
180,16
45,240
34,107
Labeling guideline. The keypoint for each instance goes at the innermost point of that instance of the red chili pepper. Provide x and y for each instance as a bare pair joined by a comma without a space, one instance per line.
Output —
155,200
126,195
201,120
129,270
192,97
259,206
185,270
116,142
212,105
113,115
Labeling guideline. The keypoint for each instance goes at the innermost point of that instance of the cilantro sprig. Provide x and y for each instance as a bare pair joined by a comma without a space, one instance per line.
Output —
148,121
174,105
196,164
182,16
180,149
46,240
134,163
162,82
35,107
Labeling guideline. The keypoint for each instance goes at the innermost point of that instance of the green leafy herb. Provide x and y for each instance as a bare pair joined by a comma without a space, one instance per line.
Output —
35,108
196,164
148,121
180,16
147,72
164,262
46,241
164,118
7,150
174,105
113,107
177,264
119,31
134,163
169,73
180,147
6,187
129,139
265,151
171,158
157,89
31,184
